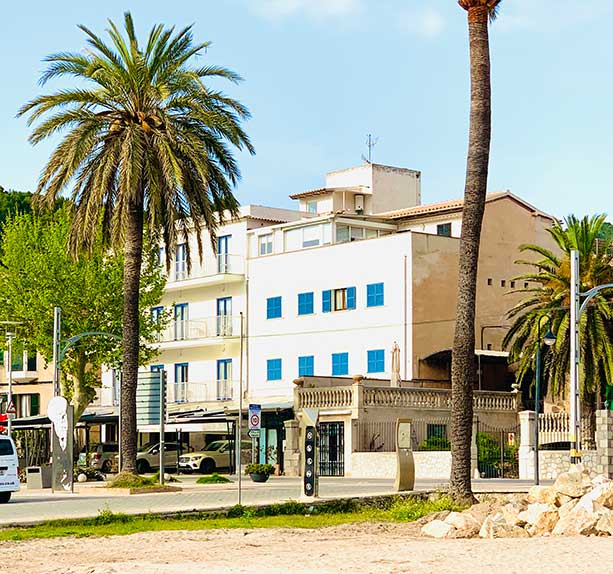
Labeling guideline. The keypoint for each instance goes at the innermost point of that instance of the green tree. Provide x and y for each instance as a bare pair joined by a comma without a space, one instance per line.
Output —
146,141
14,202
549,296
38,273
463,369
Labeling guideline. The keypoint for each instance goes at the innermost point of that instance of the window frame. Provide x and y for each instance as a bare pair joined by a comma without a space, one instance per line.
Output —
274,367
272,308
265,241
444,229
340,364
375,361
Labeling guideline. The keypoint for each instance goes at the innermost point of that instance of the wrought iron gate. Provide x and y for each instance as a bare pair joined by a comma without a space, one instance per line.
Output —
497,450
331,437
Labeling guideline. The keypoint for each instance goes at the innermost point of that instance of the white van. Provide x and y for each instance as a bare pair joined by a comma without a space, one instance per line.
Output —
9,471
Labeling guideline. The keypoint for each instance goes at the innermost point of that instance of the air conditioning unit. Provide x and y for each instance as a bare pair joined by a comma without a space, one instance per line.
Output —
359,203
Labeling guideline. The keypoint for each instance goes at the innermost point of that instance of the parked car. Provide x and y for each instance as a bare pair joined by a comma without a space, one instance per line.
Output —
148,456
213,456
9,469
101,456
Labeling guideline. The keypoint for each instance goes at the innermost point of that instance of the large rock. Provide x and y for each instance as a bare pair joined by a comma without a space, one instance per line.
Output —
567,507
465,525
604,526
479,512
574,483
540,518
495,526
542,494
437,529
605,495
576,522
599,497
511,513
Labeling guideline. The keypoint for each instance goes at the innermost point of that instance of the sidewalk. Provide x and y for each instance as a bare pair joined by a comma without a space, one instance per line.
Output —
27,507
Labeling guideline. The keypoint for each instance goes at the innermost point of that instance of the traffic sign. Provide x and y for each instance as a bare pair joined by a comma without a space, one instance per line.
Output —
255,417
10,409
254,434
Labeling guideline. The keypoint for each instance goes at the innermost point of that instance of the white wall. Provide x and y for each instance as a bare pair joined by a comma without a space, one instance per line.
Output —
314,270
431,226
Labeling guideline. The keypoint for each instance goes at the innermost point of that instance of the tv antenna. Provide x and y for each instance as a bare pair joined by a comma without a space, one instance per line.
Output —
371,142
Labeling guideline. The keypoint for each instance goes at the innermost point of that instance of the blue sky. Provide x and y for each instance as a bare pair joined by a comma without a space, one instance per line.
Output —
321,74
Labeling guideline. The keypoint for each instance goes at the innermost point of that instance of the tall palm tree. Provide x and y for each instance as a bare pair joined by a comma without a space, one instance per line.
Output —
549,296
463,369
147,148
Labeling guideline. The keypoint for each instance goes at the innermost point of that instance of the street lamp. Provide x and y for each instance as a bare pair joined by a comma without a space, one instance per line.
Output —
549,339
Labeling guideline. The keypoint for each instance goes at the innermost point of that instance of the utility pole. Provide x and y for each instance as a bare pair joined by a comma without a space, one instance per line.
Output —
57,332
575,413
9,376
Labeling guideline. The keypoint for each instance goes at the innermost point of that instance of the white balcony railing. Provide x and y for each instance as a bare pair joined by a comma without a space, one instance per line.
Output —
195,392
209,267
220,326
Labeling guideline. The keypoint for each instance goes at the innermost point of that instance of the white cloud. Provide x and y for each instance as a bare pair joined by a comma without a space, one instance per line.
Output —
428,23
315,9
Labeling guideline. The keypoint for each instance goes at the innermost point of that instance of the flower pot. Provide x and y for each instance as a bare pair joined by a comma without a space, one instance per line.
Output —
258,477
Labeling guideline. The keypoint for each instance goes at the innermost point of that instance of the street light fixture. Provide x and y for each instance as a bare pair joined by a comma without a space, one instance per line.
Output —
549,339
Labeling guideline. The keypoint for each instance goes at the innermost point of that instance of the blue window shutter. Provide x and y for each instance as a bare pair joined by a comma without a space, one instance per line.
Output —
350,297
273,308
376,361
306,366
326,301
340,364
375,295
305,303
273,369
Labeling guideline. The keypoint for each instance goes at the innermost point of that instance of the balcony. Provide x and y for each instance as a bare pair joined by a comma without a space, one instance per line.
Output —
24,368
211,271
200,392
199,332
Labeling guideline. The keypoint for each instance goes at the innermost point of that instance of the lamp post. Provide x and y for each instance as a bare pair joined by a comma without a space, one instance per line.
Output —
9,377
549,339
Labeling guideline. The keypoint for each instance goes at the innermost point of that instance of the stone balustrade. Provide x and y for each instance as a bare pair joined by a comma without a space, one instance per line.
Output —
554,427
429,399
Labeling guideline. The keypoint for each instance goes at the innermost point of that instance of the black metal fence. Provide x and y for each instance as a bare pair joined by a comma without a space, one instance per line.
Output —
380,436
498,451
331,437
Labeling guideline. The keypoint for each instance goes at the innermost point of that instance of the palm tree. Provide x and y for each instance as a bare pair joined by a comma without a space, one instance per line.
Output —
147,149
549,296
463,370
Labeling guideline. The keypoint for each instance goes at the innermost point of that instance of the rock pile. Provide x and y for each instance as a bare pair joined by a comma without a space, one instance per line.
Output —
575,505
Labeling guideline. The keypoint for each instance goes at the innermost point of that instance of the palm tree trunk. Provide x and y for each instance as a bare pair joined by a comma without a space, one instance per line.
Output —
133,255
463,371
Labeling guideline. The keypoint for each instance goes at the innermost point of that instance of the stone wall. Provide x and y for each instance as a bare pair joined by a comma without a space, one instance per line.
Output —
428,465
554,462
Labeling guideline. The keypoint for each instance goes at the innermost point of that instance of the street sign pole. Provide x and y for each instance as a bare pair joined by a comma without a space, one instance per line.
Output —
162,417
9,376
239,432
57,332
255,424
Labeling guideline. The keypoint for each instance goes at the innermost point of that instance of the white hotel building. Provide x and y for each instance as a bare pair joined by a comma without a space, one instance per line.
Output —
326,291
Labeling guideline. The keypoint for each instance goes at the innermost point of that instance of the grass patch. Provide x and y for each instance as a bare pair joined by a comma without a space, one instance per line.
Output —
214,478
287,515
125,480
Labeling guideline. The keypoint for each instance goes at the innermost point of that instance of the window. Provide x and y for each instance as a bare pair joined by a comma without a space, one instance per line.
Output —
312,206
444,229
181,261
525,285
273,308
181,321
370,233
160,257
338,299
156,314
503,283
305,303
156,368
31,362
512,284
342,233
273,369
489,281
306,366
340,364
357,233
374,295
311,236
181,375
265,242
376,361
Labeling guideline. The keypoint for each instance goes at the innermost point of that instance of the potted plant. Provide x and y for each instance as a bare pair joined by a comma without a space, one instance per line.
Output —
259,472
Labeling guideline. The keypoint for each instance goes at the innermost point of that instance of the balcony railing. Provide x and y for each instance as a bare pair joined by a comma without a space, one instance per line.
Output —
195,392
210,266
220,326
431,399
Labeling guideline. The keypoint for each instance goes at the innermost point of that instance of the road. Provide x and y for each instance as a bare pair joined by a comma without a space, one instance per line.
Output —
28,507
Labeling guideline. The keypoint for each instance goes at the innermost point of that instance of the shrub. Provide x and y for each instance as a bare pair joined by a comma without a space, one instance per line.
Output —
125,480
265,469
435,443
214,478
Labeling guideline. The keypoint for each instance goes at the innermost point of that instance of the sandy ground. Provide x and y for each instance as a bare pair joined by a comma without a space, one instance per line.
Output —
358,549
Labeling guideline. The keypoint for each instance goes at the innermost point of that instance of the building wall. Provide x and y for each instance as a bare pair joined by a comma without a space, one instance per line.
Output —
314,270
41,385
